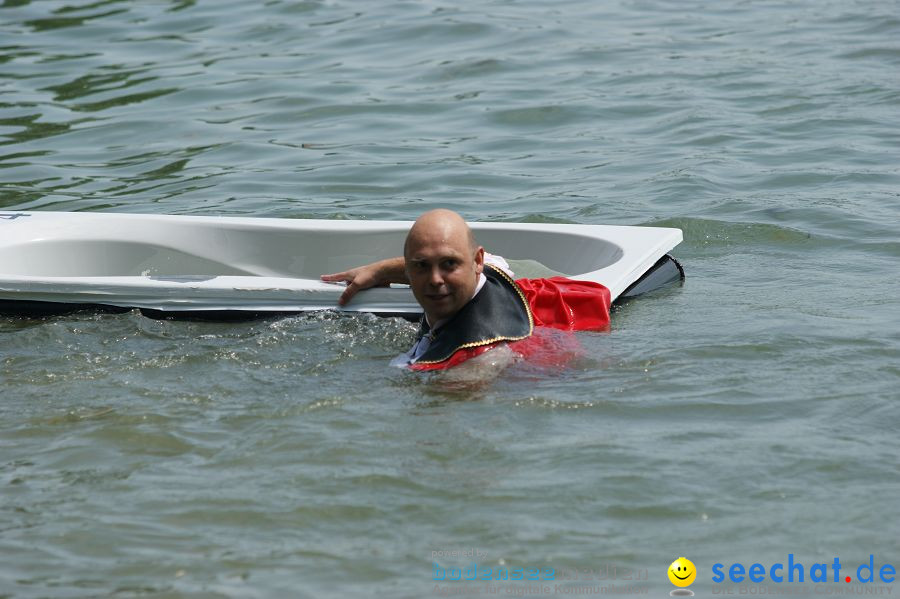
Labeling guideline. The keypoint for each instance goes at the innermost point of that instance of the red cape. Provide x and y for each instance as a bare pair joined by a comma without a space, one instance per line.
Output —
557,302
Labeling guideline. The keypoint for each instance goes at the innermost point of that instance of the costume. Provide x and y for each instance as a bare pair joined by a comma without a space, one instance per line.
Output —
504,310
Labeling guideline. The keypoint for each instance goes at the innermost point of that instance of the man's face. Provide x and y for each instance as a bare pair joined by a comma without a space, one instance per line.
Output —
443,273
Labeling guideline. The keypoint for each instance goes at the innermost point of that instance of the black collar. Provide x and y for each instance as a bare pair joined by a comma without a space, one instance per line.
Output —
499,312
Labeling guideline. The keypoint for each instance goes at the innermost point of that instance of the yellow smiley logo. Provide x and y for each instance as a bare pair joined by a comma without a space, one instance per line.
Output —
682,572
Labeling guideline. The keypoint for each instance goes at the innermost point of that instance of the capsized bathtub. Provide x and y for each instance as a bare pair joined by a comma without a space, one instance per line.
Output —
183,265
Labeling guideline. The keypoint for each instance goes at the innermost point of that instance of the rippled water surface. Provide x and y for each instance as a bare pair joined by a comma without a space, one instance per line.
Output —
749,414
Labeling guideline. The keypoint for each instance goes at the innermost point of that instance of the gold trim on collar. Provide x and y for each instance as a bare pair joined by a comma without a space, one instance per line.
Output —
472,344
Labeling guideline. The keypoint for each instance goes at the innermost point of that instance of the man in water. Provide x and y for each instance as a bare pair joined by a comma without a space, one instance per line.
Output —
470,299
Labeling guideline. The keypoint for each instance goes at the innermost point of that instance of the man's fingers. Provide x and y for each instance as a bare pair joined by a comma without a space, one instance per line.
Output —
356,279
349,292
336,277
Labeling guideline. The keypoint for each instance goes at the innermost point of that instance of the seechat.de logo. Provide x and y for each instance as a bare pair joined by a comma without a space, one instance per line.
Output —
796,571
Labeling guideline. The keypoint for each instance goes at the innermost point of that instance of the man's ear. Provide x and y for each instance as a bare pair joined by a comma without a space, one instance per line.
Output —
479,260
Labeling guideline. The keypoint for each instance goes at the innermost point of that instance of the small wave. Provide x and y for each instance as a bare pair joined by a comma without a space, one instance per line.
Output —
705,233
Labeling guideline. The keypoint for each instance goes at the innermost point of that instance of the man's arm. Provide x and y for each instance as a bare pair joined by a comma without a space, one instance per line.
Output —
377,274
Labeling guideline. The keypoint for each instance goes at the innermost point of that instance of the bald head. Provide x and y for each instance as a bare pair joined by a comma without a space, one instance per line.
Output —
443,263
441,224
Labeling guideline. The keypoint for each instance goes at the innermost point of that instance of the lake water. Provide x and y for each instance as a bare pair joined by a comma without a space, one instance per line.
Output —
748,415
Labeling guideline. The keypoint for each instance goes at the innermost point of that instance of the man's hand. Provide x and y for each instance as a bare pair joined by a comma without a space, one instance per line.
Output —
357,279
377,274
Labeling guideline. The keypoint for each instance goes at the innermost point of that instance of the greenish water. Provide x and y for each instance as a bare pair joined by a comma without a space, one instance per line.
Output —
750,414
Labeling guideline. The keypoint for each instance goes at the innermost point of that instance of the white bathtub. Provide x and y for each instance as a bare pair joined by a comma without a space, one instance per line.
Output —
211,264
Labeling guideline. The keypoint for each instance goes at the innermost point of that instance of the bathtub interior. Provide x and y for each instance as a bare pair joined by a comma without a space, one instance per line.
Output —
161,249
